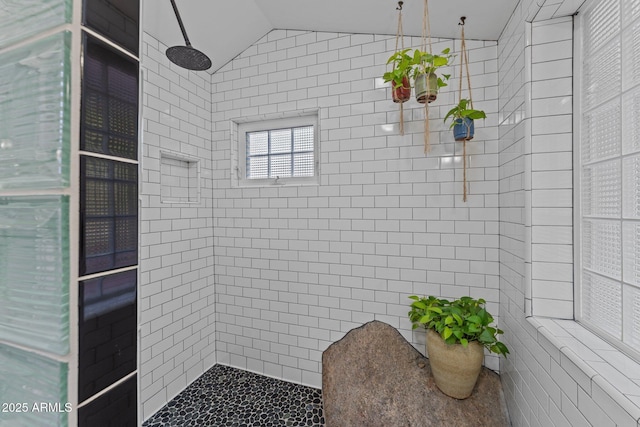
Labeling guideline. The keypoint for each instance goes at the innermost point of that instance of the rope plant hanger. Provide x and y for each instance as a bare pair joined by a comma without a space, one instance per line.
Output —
464,60
399,40
426,37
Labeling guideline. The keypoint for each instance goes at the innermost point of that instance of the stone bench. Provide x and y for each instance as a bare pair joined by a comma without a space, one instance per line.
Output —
373,377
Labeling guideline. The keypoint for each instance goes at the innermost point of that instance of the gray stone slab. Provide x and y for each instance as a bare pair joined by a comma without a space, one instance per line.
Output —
373,377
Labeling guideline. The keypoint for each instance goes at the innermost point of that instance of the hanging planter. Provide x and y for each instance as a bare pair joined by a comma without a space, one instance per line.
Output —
463,114
426,64
401,93
426,89
463,129
462,119
400,74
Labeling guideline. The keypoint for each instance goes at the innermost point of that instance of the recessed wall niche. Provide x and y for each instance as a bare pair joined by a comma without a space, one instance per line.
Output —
179,178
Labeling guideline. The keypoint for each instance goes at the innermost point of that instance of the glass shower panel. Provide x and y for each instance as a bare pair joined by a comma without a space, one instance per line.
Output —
29,379
35,114
20,19
116,407
108,215
34,261
117,20
109,123
107,331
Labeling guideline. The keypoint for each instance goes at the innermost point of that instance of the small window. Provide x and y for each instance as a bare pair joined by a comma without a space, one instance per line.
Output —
281,151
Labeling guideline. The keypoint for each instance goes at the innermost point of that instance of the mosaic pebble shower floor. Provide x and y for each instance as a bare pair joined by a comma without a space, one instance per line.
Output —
225,396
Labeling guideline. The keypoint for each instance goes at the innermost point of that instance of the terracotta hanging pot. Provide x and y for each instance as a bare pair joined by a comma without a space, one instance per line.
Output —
422,95
463,129
455,368
401,93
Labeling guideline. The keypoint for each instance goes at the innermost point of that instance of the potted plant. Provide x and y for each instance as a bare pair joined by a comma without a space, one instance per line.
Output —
399,76
425,66
462,120
458,331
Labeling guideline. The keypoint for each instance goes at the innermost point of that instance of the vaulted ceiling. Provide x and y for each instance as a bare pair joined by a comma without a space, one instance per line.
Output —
223,29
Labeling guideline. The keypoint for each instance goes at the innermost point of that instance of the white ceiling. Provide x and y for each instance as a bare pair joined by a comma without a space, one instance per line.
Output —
223,29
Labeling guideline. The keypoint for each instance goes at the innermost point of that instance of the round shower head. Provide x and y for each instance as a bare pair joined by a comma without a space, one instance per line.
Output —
186,56
189,58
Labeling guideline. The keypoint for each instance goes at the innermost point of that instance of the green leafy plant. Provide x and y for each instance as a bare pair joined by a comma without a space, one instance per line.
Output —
427,63
402,66
458,322
461,111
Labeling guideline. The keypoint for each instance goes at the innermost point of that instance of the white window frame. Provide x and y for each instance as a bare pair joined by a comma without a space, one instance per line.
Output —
241,128
578,206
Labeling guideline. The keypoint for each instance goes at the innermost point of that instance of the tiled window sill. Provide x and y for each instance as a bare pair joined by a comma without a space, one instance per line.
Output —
611,378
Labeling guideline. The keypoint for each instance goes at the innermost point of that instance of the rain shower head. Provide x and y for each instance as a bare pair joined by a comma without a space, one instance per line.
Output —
186,56
189,58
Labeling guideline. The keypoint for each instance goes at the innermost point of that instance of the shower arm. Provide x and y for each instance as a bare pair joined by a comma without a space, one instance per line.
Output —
184,32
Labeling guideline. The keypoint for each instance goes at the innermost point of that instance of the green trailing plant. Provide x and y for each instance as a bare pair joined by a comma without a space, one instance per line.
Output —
407,65
427,63
458,322
461,111
402,66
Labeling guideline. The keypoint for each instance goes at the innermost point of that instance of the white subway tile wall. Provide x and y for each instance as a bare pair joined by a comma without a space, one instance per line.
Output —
551,202
557,373
179,179
296,267
177,320
299,266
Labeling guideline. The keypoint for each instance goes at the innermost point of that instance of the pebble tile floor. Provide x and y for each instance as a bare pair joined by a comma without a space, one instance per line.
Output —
225,396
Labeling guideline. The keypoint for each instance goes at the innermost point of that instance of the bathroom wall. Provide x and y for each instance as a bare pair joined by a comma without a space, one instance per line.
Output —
176,266
549,378
296,267
299,266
